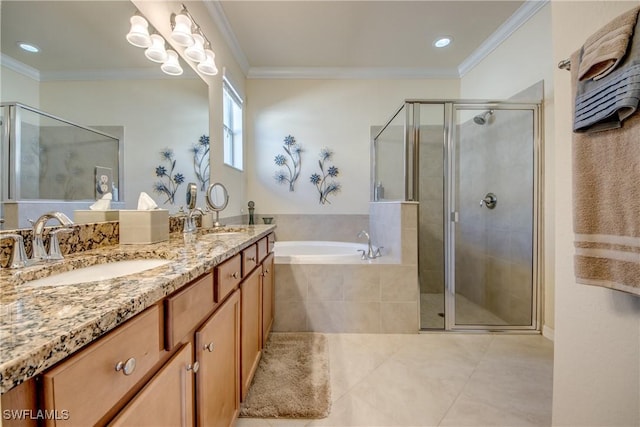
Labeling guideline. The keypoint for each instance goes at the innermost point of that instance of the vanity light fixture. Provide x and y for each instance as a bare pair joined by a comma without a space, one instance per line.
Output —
156,52
208,66
442,42
181,28
186,32
171,66
139,33
195,52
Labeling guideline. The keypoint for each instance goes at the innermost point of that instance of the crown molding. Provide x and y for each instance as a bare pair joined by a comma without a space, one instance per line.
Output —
220,19
350,73
112,74
19,67
515,21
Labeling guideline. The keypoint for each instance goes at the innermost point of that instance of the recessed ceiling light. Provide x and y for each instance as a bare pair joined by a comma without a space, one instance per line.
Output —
28,47
442,42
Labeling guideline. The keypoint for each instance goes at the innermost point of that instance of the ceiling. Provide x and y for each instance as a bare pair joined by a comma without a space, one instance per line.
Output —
294,38
376,37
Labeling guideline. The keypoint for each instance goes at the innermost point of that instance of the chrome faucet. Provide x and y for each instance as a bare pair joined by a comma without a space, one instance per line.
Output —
19,257
370,253
39,252
189,223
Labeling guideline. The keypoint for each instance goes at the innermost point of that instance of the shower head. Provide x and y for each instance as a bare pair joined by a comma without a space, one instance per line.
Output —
481,119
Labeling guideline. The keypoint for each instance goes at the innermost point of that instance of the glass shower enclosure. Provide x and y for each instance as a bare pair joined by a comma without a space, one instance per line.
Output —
474,169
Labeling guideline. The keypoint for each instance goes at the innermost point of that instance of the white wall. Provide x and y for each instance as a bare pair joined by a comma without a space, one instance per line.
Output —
597,346
16,87
522,60
336,114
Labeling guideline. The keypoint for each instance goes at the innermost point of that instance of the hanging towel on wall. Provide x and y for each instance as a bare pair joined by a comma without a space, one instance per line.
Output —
606,48
606,198
605,103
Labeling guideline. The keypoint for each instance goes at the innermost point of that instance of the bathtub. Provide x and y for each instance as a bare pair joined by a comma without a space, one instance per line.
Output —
324,286
318,252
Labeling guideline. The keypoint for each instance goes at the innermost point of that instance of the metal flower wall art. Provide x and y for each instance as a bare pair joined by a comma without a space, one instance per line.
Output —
169,179
292,171
200,153
322,181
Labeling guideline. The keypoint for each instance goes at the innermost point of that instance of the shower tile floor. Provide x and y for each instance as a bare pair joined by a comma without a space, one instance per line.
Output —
435,379
467,312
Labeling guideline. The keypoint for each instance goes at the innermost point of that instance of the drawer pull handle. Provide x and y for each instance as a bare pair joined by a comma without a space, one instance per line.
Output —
251,258
236,275
195,367
127,367
209,347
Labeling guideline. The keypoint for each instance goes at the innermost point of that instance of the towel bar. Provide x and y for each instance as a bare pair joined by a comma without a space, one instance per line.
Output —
565,64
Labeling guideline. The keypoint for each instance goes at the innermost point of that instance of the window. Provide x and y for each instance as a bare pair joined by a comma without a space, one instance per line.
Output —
232,125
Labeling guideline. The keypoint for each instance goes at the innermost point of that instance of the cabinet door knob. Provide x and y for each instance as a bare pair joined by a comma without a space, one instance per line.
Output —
236,275
266,271
209,347
127,367
195,367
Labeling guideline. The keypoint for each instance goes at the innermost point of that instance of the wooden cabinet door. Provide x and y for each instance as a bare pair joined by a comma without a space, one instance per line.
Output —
218,352
268,297
166,400
250,327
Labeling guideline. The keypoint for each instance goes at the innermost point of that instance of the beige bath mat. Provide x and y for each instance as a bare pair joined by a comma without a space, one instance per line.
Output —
292,379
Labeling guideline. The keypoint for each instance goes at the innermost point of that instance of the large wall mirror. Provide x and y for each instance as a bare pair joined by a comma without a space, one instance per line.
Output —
86,73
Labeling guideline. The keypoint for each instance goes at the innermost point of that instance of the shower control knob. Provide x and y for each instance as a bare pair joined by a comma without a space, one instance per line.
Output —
490,201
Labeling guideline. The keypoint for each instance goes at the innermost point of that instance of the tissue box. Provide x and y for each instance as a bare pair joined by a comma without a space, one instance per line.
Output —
139,227
87,216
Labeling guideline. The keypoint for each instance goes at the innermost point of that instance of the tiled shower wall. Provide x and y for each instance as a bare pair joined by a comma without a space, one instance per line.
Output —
494,246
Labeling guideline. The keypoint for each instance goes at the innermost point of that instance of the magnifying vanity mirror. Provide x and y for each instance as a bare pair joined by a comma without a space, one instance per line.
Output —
217,199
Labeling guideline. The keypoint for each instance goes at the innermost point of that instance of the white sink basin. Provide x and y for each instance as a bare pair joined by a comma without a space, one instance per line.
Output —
98,272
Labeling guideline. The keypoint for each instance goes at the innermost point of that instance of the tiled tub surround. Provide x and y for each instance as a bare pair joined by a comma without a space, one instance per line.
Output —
375,296
41,326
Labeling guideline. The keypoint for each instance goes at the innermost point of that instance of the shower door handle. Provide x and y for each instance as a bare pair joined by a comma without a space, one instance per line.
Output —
490,201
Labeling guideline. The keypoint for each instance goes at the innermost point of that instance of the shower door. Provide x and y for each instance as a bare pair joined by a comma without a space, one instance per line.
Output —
492,203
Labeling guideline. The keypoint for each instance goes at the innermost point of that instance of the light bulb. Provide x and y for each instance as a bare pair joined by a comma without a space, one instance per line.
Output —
181,33
171,66
139,33
208,66
195,52
156,52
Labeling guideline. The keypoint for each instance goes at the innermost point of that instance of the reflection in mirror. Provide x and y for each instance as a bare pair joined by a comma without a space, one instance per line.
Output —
192,195
90,75
217,200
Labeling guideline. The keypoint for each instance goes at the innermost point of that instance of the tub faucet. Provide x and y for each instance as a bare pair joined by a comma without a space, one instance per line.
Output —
39,252
370,252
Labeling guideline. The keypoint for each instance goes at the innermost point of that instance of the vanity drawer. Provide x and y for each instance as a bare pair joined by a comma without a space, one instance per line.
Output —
227,277
87,385
186,309
263,248
249,259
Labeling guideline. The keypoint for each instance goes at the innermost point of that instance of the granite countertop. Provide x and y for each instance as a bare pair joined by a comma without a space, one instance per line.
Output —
40,326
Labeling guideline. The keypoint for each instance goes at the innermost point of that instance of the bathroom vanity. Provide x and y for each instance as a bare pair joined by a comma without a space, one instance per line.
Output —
173,345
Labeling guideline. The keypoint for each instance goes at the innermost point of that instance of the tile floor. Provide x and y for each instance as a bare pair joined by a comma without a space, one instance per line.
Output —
435,379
